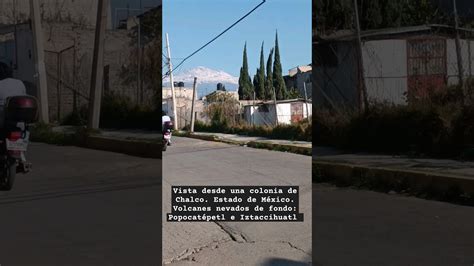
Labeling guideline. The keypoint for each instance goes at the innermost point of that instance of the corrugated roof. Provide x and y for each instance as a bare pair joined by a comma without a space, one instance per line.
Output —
279,101
348,35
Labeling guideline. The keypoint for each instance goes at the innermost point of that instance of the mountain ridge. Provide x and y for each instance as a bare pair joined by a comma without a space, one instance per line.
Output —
204,75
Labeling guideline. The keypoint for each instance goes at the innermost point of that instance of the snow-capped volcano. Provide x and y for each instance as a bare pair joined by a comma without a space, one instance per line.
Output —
204,76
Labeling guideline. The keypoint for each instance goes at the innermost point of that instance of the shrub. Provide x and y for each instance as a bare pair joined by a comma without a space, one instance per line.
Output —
118,112
223,109
437,127
76,118
301,131
395,129
42,132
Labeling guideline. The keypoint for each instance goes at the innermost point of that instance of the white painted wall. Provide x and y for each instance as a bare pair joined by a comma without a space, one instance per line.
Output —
385,67
284,113
255,115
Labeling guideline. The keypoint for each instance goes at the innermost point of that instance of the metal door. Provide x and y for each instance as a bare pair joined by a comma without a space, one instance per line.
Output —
426,63
296,112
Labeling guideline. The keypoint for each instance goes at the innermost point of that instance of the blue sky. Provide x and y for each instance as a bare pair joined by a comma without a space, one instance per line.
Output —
192,23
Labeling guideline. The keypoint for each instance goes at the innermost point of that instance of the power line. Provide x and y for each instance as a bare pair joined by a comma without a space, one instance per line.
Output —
215,38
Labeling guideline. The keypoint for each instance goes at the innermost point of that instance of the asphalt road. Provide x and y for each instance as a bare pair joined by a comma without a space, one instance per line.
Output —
355,227
82,207
196,162
87,207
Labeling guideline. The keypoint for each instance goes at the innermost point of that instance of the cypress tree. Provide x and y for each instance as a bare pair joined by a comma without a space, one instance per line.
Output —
256,83
261,77
250,88
269,77
278,81
245,83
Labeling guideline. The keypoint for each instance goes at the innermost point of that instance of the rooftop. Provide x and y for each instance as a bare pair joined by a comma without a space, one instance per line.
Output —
247,103
299,69
349,35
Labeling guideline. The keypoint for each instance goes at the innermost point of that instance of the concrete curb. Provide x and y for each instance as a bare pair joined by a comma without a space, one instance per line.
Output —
281,147
137,148
441,186
252,144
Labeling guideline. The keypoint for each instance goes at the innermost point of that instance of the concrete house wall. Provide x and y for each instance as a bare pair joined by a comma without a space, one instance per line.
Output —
386,69
264,114
336,83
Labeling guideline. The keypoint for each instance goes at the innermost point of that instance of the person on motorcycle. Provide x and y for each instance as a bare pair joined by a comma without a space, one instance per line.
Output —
17,109
165,124
164,118
9,87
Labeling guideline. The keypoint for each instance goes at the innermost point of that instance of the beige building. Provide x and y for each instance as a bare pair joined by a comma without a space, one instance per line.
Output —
83,12
232,94
184,98
68,33
299,78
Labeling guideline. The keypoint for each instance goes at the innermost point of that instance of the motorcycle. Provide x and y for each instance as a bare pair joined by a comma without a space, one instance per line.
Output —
19,111
167,126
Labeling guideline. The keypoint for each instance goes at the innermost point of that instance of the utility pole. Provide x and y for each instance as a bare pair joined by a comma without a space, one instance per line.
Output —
74,107
192,105
40,68
15,66
458,48
58,86
362,89
97,65
139,51
253,108
170,66
275,103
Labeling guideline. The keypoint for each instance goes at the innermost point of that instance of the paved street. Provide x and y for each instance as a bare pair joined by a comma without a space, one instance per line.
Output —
196,162
355,227
82,207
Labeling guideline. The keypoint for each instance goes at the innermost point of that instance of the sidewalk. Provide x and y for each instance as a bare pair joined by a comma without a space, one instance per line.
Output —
439,176
132,134
300,147
133,142
120,134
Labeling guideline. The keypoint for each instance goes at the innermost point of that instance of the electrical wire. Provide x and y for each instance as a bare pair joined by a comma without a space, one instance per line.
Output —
215,38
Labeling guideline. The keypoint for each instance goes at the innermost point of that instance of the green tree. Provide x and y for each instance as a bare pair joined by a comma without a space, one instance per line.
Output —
245,82
269,77
330,15
372,15
256,83
151,64
261,77
222,109
278,81
294,93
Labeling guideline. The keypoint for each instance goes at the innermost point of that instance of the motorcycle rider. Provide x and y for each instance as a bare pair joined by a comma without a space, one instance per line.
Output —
13,159
165,124
8,87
